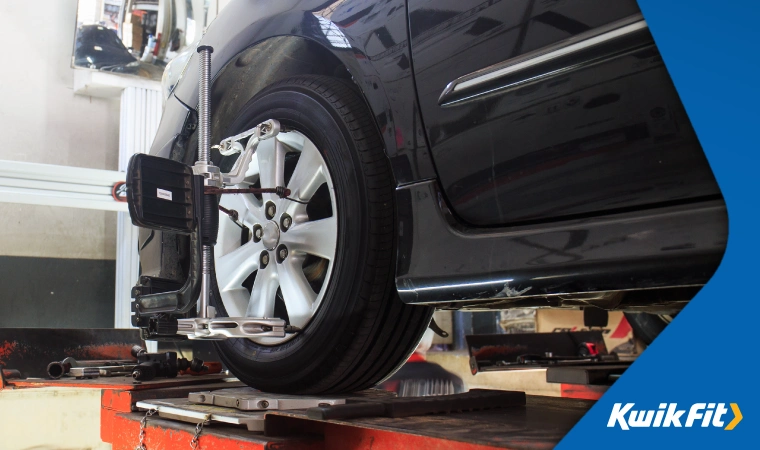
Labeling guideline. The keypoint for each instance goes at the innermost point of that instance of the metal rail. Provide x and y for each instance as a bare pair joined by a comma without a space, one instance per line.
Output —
52,185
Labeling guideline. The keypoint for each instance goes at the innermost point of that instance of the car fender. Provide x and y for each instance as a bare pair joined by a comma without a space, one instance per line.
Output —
375,53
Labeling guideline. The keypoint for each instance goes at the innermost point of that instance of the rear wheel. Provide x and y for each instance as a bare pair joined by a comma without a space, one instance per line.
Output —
324,263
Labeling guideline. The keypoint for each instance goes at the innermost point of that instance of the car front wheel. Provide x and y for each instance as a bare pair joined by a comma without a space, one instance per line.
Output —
322,259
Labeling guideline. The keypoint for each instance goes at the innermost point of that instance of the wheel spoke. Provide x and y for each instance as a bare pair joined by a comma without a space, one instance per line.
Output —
253,168
271,159
316,238
234,267
296,210
253,212
308,175
234,201
236,301
229,231
263,293
296,291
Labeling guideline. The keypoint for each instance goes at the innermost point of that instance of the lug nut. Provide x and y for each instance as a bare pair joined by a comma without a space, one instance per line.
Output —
258,233
264,259
285,222
270,210
282,253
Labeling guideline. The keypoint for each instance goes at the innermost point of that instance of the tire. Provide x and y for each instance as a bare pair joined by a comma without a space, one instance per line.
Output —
361,332
647,326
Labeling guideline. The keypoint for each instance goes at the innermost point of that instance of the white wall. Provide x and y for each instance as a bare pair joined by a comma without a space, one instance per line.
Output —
41,120
50,418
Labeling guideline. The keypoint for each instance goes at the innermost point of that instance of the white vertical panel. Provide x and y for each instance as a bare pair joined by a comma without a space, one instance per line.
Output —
140,115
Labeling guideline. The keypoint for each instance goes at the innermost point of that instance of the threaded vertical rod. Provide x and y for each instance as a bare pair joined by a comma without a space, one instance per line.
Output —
204,301
204,157
204,103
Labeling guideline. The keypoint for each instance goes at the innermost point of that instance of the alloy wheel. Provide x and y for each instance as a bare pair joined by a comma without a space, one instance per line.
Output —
278,264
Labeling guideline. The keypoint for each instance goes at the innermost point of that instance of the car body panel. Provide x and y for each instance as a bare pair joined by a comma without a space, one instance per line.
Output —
377,57
602,132
375,52
441,259
442,262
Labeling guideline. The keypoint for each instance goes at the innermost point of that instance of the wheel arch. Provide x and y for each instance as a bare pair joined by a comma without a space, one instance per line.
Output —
268,62
275,40
375,55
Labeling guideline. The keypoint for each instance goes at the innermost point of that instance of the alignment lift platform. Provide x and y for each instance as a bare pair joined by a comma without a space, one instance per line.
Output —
218,412
253,420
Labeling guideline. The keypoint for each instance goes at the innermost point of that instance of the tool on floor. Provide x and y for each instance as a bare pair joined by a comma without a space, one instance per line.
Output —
57,369
166,364
145,367
7,374
101,371
497,352
206,369
11,374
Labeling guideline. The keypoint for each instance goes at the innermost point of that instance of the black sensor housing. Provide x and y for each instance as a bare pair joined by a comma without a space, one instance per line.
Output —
162,194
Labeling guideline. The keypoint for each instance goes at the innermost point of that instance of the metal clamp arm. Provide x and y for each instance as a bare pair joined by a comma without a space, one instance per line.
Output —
233,327
261,132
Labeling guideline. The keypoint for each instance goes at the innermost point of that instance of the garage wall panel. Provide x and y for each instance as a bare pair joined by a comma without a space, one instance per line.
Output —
56,264
140,116
56,292
43,121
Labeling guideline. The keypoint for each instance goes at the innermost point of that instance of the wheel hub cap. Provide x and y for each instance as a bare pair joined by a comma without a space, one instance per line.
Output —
271,235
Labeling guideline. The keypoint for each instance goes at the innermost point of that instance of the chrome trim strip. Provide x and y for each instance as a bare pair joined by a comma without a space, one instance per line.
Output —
575,44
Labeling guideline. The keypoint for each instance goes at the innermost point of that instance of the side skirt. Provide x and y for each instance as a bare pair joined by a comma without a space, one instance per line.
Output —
442,262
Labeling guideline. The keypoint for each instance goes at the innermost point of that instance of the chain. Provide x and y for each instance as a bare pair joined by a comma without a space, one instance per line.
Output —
198,430
143,425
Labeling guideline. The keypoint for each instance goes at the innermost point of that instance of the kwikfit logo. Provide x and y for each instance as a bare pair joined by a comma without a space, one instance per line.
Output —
668,415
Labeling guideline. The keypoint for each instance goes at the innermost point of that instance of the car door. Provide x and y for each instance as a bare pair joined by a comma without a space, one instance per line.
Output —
545,109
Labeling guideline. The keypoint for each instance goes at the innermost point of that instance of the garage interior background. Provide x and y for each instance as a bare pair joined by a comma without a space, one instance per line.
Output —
65,267
64,258
73,267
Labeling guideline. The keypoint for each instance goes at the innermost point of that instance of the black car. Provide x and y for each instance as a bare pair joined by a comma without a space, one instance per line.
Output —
98,47
440,154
